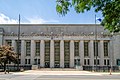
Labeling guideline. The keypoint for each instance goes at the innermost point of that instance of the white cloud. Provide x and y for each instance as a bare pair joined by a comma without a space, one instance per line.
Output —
39,20
6,20
34,20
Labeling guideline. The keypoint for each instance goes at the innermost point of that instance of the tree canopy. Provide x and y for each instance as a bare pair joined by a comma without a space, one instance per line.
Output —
109,8
7,54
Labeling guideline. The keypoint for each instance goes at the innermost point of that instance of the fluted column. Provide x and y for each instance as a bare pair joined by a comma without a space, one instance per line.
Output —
32,51
71,53
101,53
42,53
62,54
91,48
23,52
52,53
81,52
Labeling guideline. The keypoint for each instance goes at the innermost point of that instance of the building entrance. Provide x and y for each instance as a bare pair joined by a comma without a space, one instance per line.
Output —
47,64
77,62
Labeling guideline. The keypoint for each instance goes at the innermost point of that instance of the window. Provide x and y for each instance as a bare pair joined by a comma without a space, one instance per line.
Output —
35,61
86,62
66,53
47,53
106,49
95,48
25,61
9,42
86,50
18,44
98,62
118,62
28,46
38,61
76,48
28,61
37,51
57,53
106,62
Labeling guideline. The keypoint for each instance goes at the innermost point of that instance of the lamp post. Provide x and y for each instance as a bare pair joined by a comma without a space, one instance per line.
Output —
18,41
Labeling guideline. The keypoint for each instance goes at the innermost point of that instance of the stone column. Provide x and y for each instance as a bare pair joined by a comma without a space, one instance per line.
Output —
52,53
42,53
32,51
81,52
14,45
62,54
101,53
91,49
110,48
71,53
23,52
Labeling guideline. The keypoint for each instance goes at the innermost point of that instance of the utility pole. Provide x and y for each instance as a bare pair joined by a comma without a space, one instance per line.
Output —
18,41
95,43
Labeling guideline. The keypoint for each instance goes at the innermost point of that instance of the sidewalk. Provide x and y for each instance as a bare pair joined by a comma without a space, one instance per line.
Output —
37,72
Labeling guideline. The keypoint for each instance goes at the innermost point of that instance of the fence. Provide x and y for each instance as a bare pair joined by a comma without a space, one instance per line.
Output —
101,68
14,67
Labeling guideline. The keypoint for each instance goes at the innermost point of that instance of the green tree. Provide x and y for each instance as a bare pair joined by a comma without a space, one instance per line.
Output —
7,54
109,8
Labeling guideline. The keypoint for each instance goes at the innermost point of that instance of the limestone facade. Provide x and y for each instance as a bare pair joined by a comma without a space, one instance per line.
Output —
63,45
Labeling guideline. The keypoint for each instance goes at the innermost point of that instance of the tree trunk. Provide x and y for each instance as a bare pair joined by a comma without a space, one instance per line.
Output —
5,67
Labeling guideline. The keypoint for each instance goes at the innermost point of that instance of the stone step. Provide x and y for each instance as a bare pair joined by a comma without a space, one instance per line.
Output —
57,69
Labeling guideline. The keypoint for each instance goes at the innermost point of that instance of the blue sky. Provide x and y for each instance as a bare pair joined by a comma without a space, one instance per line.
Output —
41,12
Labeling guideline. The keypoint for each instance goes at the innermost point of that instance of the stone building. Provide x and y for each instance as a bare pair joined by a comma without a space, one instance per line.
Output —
63,45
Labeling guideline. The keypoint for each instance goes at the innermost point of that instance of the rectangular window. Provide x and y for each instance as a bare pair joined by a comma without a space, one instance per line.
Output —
28,61
28,48
96,62
37,51
47,52
76,48
106,49
35,61
106,62
18,46
57,53
9,42
86,50
66,53
95,48
38,61
86,61
25,61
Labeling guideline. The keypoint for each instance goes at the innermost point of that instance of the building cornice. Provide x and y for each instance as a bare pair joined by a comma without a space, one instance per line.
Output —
50,25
